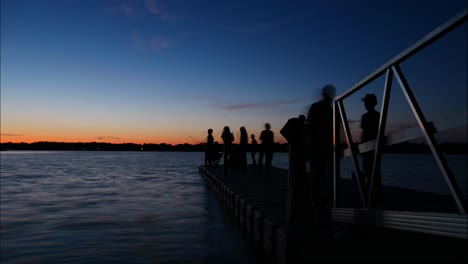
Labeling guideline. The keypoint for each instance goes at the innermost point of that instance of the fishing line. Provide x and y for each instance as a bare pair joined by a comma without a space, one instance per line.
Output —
198,141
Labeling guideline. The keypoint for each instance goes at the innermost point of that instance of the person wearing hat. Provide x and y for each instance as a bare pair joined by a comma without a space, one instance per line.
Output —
370,127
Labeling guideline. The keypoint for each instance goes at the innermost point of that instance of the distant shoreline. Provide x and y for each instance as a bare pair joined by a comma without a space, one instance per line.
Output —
406,147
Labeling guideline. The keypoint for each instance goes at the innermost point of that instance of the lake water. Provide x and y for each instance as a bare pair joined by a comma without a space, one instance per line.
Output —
113,207
142,207
412,171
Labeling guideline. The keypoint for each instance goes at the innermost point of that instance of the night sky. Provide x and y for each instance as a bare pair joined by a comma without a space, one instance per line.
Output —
149,71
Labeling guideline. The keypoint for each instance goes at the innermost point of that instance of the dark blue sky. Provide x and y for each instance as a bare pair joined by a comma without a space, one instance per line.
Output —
151,71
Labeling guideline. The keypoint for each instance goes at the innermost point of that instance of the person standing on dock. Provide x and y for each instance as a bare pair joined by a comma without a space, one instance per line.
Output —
228,138
267,137
244,138
253,149
370,127
320,127
209,151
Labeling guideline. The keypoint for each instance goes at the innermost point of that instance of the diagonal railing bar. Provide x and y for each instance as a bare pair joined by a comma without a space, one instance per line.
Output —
431,140
375,175
354,158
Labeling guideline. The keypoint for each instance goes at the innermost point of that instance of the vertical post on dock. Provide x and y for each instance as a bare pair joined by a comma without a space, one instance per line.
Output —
336,150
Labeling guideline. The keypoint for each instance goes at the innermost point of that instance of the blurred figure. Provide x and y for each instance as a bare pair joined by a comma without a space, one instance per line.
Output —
253,149
320,126
299,184
243,147
370,127
209,151
228,138
302,119
267,137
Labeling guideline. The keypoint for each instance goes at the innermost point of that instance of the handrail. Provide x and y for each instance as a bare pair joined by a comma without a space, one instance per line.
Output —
392,70
409,134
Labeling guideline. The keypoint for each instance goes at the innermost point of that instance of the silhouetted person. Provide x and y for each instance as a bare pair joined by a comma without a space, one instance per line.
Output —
370,127
267,137
302,119
320,126
244,138
227,137
299,184
209,152
253,149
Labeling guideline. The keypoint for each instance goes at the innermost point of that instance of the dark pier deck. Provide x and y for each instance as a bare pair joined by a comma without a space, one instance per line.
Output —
257,202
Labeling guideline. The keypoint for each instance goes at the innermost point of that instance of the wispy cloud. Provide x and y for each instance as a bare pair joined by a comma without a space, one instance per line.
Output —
108,138
11,135
128,10
158,42
260,104
141,8
155,42
122,9
154,7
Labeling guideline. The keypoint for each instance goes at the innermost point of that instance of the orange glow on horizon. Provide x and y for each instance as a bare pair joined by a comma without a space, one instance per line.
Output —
64,139
167,138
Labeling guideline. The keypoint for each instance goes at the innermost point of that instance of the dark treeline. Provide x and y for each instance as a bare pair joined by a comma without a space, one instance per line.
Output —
102,146
99,146
406,147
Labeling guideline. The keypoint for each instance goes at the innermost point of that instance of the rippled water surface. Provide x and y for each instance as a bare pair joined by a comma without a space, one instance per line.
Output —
143,207
112,207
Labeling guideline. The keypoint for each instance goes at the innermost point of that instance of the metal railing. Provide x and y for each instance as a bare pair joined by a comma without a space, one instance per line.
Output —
392,69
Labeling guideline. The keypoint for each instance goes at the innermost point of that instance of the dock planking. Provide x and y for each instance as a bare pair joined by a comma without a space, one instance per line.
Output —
257,201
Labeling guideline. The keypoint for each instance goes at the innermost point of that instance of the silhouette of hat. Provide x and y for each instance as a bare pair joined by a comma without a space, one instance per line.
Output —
370,98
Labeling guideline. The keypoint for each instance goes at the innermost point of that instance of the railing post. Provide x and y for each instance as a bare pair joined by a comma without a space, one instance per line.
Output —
336,150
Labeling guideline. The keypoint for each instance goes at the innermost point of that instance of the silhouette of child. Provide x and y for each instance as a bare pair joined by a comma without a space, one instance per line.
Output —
253,150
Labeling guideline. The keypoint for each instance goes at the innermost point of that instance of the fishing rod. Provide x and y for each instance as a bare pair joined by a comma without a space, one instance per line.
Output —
198,141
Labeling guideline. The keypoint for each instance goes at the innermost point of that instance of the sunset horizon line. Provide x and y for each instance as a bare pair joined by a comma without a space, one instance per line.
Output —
97,142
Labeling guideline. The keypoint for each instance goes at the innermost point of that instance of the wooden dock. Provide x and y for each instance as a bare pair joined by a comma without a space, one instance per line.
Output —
257,202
